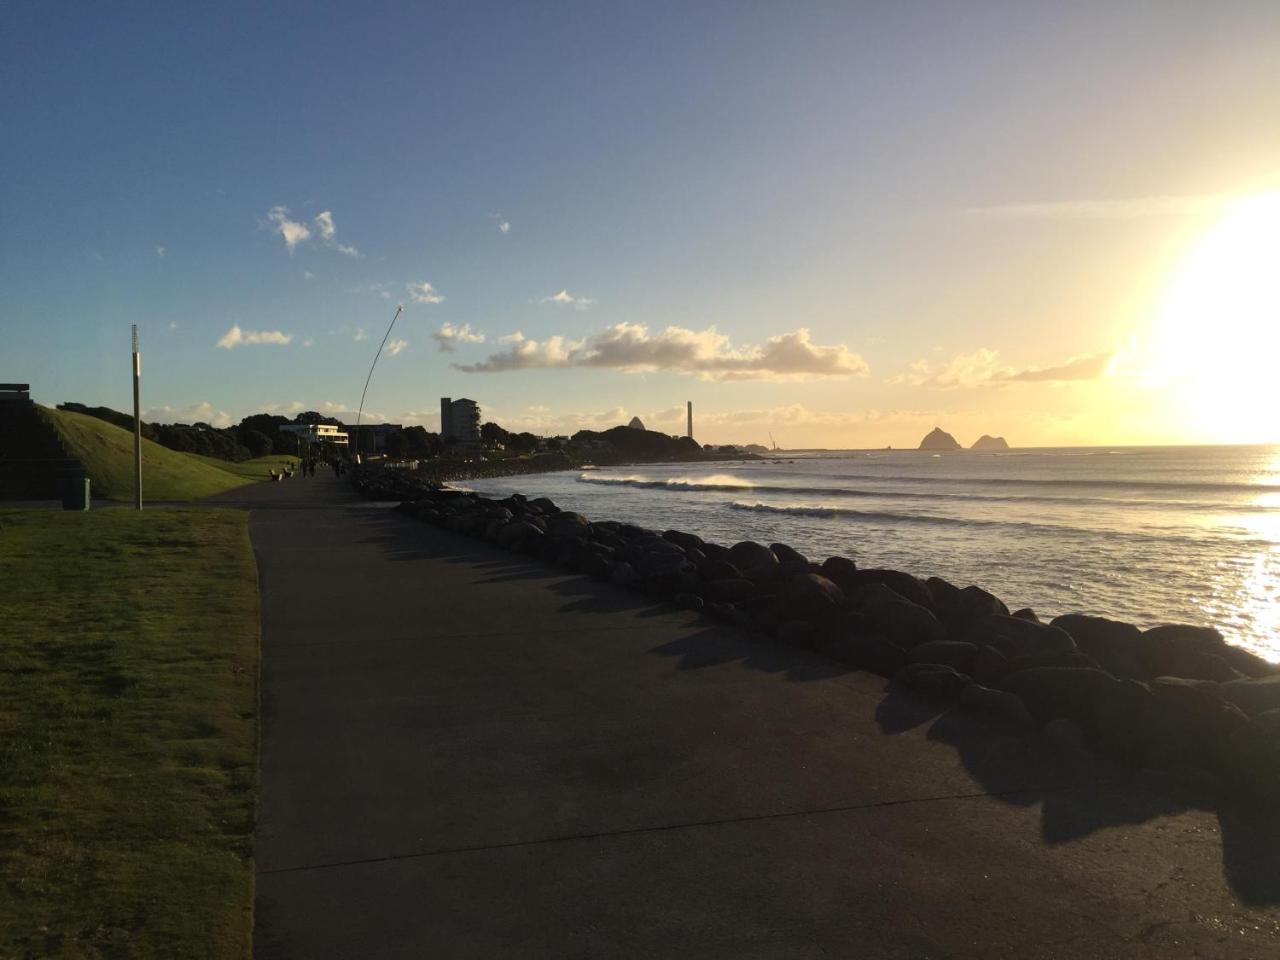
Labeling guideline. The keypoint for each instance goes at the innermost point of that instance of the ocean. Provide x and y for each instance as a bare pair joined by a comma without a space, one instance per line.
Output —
1149,535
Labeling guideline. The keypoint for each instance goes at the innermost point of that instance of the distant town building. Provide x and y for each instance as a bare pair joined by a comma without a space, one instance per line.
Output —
636,424
373,436
459,420
316,432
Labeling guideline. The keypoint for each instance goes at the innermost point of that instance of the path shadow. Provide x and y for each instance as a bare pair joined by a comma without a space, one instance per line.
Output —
1077,799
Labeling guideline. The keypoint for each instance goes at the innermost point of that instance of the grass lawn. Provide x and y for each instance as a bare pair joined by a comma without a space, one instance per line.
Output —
128,733
257,469
107,454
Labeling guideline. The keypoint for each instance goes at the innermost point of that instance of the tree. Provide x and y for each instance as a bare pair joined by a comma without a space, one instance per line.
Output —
493,434
394,445
257,442
418,443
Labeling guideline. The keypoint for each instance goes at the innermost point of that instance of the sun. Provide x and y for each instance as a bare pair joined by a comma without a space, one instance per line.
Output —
1216,336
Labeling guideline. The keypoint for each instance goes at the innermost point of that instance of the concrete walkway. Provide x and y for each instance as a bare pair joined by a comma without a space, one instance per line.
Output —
467,754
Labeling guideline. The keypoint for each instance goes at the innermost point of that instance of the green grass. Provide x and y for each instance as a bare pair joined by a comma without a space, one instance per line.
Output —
107,454
258,469
128,734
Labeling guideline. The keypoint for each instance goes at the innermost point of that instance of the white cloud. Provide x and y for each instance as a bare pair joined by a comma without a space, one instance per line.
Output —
424,293
308,275
202,412
565,297
394,346
504,226
706,353
160,252
295,232
308,342
292,231
173,325
448,335
236,337
324,223
1125,208
360,335
983,368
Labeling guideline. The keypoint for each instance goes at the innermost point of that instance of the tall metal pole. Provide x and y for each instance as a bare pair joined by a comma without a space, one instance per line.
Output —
360,412
137,424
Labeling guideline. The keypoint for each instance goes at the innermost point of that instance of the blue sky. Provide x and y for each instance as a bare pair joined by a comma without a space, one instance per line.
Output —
953,200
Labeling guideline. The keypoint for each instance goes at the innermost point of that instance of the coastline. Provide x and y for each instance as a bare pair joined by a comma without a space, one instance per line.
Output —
1176,698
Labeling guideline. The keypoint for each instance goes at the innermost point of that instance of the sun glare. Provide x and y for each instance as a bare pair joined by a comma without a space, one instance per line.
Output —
1216,338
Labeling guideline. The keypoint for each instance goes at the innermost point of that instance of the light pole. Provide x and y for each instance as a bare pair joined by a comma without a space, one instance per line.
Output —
137,423
360,412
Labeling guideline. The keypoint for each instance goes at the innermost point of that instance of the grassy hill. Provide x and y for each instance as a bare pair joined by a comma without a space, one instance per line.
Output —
107,454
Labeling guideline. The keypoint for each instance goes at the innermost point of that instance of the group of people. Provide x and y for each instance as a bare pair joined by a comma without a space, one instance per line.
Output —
308,467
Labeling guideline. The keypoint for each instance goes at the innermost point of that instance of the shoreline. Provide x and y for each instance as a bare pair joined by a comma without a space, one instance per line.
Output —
1175,698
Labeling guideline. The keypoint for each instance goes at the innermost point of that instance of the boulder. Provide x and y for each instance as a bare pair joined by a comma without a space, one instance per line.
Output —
1194,708
904,584
686,541
959,608
729,591
1050,692
990,665
786,554
1250,759
569,526
515,535
951,653
689,601
1123,720
543,506
719,570
1254,695
905,623
1052,658
935,680
999,705
1178,650
623,575
810,597
1026,613
752,558
1065,736
840,570
1016,637
1117,646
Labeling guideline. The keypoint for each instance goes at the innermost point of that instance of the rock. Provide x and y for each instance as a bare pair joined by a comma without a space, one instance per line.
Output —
569,526
809,596
719,570
787,555
1015,637
686,541
1117,646
1254,695
689,601
1050,692
1195,708
755,561
957,608
543,506
623,575
986,442
935,680
938,439
999,705
841,571
1052,658
514,535
795,633
729,591
990,665
1250,759
905,623
1177,650
951,653
1026,613
904,584
1064,736
1123,720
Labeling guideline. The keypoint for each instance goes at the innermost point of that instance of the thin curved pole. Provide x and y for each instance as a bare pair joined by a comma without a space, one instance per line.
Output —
360,412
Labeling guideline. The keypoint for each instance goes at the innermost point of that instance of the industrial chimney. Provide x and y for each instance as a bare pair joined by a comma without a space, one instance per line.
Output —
689,406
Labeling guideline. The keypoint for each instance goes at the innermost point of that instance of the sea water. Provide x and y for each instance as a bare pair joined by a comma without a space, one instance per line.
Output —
1148,535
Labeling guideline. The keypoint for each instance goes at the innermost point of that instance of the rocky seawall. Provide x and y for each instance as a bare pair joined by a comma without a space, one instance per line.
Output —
1175,699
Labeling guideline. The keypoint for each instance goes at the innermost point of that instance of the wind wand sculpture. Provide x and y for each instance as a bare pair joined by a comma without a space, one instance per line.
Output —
360,412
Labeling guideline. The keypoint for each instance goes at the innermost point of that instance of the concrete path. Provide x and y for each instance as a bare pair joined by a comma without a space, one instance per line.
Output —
466,754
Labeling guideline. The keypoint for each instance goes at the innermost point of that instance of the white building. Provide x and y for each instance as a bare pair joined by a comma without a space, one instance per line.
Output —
317,432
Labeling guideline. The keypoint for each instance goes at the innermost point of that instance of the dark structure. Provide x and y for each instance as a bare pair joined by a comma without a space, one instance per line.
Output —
33,463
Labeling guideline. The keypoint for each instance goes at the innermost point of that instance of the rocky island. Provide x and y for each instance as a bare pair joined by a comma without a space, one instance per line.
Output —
939,439
988,442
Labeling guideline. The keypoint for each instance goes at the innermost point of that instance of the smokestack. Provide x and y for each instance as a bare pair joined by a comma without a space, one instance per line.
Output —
689,407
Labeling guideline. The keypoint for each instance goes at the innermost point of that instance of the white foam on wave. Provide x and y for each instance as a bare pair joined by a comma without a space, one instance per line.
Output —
716,481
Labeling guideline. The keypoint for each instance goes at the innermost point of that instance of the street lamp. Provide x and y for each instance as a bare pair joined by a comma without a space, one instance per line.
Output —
360,412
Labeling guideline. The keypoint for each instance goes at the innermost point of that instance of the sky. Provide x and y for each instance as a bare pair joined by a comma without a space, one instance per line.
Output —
839,224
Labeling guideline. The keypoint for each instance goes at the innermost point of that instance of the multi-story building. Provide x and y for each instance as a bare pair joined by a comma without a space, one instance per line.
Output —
316,432
459,420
